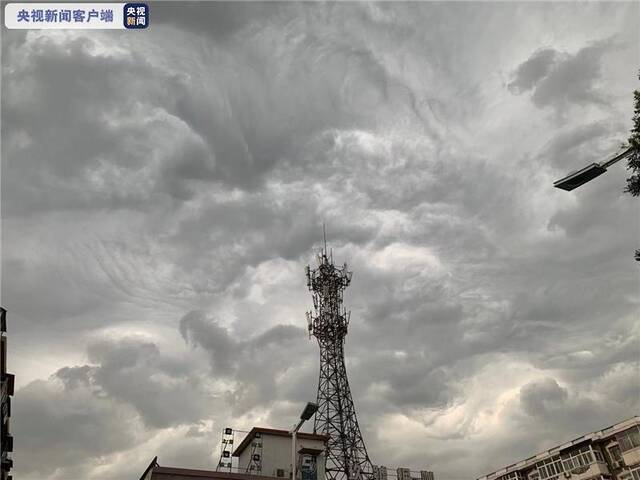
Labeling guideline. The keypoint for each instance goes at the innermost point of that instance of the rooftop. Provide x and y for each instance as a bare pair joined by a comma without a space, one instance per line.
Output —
156,472
280,433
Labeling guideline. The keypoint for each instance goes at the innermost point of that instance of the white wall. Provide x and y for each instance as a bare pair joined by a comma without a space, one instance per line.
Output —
276,454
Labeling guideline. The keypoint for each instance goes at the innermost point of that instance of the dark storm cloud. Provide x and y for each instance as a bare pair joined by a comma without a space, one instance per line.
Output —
558,79
560,413
79,425
60,121
216,19
409,381
196,328
128,389
254,363
539,397
133,372
548,412
529,73
260,227
190,169
57,300
231,120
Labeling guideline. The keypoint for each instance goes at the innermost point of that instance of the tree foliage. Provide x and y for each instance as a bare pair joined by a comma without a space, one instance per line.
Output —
633,182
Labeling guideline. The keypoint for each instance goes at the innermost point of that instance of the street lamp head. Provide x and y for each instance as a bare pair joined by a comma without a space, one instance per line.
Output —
575,179
309,410
580,177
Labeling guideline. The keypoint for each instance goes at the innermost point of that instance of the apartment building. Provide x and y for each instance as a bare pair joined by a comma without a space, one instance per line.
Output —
612,453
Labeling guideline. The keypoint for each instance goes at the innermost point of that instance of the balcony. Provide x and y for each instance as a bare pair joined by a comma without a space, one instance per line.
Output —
5,408
8,381
7,443
7,461
631,457
588,471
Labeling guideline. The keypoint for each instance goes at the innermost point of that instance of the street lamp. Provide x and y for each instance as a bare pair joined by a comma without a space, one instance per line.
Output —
582,176
309,410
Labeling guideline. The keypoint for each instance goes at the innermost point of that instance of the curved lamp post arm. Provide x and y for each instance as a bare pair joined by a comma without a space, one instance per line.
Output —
617,158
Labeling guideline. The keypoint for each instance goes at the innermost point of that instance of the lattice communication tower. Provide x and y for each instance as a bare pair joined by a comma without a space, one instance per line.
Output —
346,455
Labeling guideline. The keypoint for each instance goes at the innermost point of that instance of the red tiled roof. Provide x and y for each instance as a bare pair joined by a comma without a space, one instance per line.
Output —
280,433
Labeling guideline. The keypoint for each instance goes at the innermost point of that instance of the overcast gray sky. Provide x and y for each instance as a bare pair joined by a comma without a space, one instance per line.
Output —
162,191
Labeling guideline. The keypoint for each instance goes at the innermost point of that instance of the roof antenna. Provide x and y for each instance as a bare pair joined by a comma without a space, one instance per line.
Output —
324,236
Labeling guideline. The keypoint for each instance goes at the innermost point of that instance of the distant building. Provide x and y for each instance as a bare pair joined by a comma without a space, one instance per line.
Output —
380,472
264,452
403,473
6,389
609,454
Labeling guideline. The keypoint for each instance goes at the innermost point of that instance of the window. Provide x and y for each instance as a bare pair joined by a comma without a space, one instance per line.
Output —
629,439
549,468
308,467
598,454
614,453
581,457
515,475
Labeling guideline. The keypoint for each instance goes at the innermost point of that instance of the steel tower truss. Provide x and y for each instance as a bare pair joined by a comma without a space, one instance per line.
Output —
346,455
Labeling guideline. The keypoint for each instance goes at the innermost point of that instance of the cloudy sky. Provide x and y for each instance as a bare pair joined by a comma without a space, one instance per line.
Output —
162,191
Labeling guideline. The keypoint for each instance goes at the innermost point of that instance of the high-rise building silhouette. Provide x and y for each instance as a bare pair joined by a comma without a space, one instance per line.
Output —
6,391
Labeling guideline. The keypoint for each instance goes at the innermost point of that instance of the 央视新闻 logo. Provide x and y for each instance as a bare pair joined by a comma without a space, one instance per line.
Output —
136,15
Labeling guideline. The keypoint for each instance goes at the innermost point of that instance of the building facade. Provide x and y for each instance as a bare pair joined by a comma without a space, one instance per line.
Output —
612,453
267,451
6,392
263,452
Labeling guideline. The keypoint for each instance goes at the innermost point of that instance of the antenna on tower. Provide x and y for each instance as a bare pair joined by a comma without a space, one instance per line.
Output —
324,237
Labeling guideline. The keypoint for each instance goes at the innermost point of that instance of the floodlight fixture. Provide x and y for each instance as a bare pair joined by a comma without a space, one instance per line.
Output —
582,176
309,410
579,177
